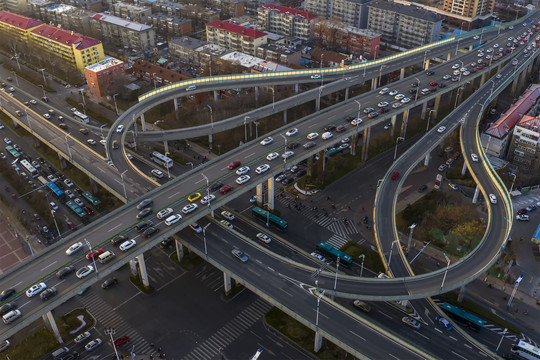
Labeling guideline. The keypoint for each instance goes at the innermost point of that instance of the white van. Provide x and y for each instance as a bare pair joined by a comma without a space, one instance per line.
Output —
106,256
60,353
11,316
173,219
191,88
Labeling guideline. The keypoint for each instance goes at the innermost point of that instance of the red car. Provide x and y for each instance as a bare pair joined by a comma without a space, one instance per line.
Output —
71,225
88,210
395,175
234,164
225,189
522,212
121,341
433,83
94,254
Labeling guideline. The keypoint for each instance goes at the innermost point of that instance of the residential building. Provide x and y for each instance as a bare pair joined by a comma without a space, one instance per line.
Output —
131,12
186,49
232,8
324,58
403,26
235,37
155,74
469,8
280,53
93,5
16,6
101,75
118,33
525,145
286,21
251,6
350,12
16,27
170,25
348,39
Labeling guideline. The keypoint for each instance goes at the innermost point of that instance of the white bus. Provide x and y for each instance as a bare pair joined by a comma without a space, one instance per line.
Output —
161,159
29,168
81,116
526,350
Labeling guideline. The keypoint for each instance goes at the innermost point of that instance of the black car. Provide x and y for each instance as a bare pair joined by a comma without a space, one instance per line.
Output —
145,203
287,181
65,271
441,85
149,232
109,282
422,188
6,294
144,213
166,243
142,226
74,356
7,308
48,293
429,73
301,173
293,145
116,241
216,186
330,128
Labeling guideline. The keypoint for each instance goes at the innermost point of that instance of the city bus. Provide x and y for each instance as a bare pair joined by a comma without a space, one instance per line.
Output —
80,116
29,168
161,159
92,200
272,219
526,350
333,253
461,316
11,150
77,210
56,191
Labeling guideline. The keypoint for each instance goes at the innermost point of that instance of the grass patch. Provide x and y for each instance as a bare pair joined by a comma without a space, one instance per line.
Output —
372,259
143,288
34,346
190,260
302,335
451,298
70,322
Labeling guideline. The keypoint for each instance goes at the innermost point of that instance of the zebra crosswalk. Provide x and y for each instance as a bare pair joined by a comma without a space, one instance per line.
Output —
107,316
211,347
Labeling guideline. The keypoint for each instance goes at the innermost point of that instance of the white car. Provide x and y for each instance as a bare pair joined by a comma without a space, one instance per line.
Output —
33,102
318,256
120,128
264,238
492,198
356,122
316,76
405,100
243,170
35,289
81,337
312,136
399,96
272,156
164,213
85,271
46,116
74,248
292,132
227,224
243,179
103,142
393,92
327,135
126,245
157,173
36,164
267,140
52,178
522,217
384,91
190,208
70,194
287,154
498,76
93,344
396,105
466,73
207,199
173,219
68,183
441,129
78,202
455,66
447,77
53,206
227,215
91,141
262,168
382,104
7,140
474,157
476,37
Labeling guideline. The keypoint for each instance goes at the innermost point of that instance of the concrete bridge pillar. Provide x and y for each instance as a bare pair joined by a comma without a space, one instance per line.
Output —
464,168
426,65
143,123
393,124
475,196
285,117
423,113
354,144
514,86
436,106
322,156
426,160
48,318
374,83
63,162
318,342
462,292
165,146
404,123
483,79
256,96
142,270
259,190
271,189
179,249
175,100
318,103
365,146
216,95
133,267
227,283
449,56
402,74
297,88
347,94
309,170
94,185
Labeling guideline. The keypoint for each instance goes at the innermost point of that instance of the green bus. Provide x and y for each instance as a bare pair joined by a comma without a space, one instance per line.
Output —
92,200
11,150
332,252
270,218
463,317
77,210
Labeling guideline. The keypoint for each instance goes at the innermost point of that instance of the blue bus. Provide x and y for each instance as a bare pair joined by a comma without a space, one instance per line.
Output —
78,211
334,253
463,317
57,192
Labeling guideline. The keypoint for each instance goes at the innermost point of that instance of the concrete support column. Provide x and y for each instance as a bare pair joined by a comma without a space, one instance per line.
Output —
133,267
251,130
309,170
404,123
374,83
318,342
483,78
464,168
285,117
271,189
296,88
475,196
436,107
63,162
514,86
175,104
426,160
179,249
354,144
259,191
462,292
470,48
216,95
365,147
49,319
143,123
322,156
317,103
393,123
227,283
166,146
142,270
94,185
256,96
402,74
426,65
424,109
449,56
37,143
347,94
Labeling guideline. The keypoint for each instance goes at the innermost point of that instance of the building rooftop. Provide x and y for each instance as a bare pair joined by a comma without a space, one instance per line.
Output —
188,42
214,49
19,21
411,11
280,48
121,22
288,10
270,66
242,59
66,37
252,33
508,120
530,122
175,18
105,64
351,29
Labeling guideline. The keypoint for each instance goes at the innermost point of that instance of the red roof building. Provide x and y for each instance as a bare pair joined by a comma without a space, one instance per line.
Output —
16,26
286,21
244,39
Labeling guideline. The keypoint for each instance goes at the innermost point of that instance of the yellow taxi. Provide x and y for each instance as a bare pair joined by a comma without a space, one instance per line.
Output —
194,197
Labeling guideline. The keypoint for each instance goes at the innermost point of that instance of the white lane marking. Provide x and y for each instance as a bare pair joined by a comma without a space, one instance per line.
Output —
23,305
19,283
458,355
258,261
481,353
422,335
288,293
269,268
174,195
395,357
245,157
112,229
355,334
388,316
51,264
453,338
203,179
312,125
438,330
467,345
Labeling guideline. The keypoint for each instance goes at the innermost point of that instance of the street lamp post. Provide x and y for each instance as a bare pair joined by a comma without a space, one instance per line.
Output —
111,332
245,128
445,271
55,223
392,248
285,148
101,129
204,238
207,190
42,73
321,66
516,284
411,228
318,306
212,127
335,279
380,75
123,183
16,57
273,98
43,88
417,88
320,91
83,107
359,108
363,256
93,257
82,94
16,78
395,150
115,105
68,148
457,46
513,181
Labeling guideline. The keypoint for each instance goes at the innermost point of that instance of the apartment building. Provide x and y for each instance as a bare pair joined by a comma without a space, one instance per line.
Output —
17,28
403,26
235,37
101,75
118,33
131,12
286,21
348,39
93,5
170,25
232,8
155,74
525,145
350,12
280,54
16,6
469,8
